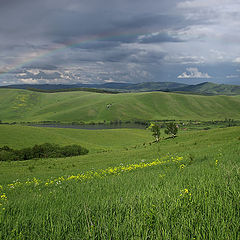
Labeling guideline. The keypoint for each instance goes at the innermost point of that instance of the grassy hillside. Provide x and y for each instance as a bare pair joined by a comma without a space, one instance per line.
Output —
106,147
182,188
24,136
23,105
101,144
205,88
145,86
212,89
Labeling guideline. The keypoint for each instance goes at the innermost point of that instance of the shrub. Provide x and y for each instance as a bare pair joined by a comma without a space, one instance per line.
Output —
172,129
7,156
46,150
24,154
73,150
6,148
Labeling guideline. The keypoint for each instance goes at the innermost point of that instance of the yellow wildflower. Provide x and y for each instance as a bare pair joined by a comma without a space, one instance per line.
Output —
182,166
100,173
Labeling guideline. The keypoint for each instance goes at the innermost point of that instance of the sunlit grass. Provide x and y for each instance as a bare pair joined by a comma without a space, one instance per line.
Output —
200,201
22,105
191,193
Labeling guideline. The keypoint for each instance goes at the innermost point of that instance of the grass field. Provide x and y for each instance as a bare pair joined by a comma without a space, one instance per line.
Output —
23,105
189,190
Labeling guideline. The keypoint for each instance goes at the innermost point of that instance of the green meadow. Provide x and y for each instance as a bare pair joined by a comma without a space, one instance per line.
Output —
23,105
197,198
126,187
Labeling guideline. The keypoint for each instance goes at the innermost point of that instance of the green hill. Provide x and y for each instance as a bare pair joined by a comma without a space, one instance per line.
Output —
145,86
22,105
112,86
205,88
212,89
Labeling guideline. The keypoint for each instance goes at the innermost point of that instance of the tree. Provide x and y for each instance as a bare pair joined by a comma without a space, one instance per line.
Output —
172,129
155,128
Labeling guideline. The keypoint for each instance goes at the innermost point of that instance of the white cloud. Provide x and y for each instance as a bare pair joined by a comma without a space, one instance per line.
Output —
232,76
200,4
207,5
218,55
29,81
110,80
193,73
237,60
21,74
196,32
100,63
185,59
33,71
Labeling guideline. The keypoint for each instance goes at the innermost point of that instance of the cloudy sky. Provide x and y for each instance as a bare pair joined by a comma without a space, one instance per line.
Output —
97,41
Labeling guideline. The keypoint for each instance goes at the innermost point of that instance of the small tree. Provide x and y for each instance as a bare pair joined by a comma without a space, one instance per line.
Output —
172,129
155,128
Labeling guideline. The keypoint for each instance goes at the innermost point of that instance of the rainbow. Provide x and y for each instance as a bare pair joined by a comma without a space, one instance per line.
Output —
54,49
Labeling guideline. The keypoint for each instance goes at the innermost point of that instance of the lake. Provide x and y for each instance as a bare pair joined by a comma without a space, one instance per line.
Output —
93,126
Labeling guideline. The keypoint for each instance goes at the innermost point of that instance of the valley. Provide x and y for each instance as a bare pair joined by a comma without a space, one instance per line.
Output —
184,185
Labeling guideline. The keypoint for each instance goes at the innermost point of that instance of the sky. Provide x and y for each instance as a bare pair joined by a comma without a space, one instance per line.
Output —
102,41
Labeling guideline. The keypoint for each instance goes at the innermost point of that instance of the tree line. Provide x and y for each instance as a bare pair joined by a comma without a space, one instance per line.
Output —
46,150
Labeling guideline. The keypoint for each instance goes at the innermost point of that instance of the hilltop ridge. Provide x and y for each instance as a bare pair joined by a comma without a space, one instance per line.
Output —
204,88
22,105
212,89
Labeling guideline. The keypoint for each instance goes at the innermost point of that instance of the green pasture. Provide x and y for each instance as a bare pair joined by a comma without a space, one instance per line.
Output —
22,105
106,148
197,198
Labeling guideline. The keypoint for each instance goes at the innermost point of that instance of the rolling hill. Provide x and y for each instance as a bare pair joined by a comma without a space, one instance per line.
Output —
212,89
123,87
22,105
205,88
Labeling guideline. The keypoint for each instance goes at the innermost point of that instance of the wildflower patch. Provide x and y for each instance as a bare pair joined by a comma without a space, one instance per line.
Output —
98,173
3,199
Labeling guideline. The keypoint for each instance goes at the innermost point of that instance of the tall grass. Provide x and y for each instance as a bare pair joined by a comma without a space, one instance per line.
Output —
198,201
197,198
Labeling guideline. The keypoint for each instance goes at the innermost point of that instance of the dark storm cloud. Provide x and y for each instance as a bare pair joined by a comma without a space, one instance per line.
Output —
95,45
159,37
119,55
64,26
126,40
75,19
149,21
41,66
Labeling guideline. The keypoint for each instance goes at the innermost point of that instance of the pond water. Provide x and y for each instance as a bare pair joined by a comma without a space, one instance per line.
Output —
92,126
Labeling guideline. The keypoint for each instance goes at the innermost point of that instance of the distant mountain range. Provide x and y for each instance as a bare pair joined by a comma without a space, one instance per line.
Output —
205,88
